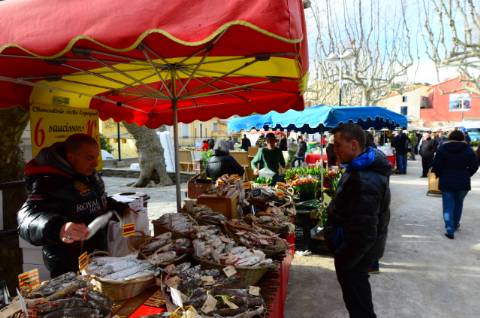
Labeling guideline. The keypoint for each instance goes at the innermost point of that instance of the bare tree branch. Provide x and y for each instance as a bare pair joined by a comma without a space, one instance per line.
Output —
379,38
453,29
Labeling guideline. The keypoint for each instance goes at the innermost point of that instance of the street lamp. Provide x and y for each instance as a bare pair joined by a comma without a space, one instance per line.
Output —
348,54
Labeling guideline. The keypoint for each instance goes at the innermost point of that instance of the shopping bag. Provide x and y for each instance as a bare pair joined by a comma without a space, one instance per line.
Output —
433,180
117,243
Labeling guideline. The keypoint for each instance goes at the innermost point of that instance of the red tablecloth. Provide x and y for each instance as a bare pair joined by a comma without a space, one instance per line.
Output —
312,158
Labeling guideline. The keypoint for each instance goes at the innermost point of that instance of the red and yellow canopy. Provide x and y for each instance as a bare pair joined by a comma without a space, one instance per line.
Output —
132,59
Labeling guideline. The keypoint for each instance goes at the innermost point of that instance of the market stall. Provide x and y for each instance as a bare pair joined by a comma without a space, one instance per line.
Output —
198,260
153,70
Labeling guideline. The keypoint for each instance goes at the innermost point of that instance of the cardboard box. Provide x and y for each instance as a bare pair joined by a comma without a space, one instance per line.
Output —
228,206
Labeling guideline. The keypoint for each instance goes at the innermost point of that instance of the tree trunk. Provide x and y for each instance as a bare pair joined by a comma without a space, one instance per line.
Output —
13,122
150,152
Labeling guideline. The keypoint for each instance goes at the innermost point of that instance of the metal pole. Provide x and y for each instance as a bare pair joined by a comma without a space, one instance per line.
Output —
340,84
118,142
177,163
340,95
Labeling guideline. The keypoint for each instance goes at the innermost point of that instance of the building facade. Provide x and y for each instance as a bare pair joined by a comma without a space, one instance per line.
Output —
409,102
450,103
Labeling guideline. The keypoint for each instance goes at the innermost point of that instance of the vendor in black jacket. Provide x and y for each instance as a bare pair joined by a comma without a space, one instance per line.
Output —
222,163
65,195
358,217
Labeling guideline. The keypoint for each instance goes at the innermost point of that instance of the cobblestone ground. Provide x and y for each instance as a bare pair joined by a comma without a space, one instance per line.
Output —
423,274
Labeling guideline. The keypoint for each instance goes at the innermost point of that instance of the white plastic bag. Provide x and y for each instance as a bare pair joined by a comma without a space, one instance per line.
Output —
266,173
117,244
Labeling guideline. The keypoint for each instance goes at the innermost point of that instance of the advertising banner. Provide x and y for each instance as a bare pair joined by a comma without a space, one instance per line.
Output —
50,124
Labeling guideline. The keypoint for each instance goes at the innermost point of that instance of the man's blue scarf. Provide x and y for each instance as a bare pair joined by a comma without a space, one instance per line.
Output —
364,160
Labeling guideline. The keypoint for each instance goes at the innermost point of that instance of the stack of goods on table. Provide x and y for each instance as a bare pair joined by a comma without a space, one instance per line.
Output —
67,295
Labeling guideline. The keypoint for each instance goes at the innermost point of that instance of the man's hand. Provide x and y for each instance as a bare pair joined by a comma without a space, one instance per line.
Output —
71,232
256,172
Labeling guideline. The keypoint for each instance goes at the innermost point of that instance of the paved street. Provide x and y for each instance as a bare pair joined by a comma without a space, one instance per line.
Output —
423,274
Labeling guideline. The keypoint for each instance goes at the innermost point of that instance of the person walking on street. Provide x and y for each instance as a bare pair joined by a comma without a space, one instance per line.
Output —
301,150
454,164
246,143
358,217
65,194
427,151
401,144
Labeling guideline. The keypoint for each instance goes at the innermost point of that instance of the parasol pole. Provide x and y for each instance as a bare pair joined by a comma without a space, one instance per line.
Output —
175,135
177,163
321,167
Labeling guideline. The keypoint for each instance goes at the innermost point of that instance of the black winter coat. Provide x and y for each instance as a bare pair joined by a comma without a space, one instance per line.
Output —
454,164
58,195
361,211
427,148
246,143
400,143
222,163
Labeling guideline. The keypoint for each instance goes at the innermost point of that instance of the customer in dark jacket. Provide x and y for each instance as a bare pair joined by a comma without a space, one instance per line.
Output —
65,195
246,143
400,142
454,164
358,217
222,162
427,152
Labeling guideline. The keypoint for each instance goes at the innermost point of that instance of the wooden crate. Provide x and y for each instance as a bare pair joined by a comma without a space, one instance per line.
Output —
225,205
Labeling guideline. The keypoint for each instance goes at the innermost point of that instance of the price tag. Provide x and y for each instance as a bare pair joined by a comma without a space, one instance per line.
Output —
210,304
191,313
229,303
128,229
176,297
254,290
29,280
229,270
207,280
83,261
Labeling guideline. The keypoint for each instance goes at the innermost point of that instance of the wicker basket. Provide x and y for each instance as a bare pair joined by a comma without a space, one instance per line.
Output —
116,290
247,276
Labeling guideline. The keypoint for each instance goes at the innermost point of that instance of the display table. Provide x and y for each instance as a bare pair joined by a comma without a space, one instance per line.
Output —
313,158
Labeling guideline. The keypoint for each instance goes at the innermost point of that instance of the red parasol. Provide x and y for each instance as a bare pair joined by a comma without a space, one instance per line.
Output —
154,62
